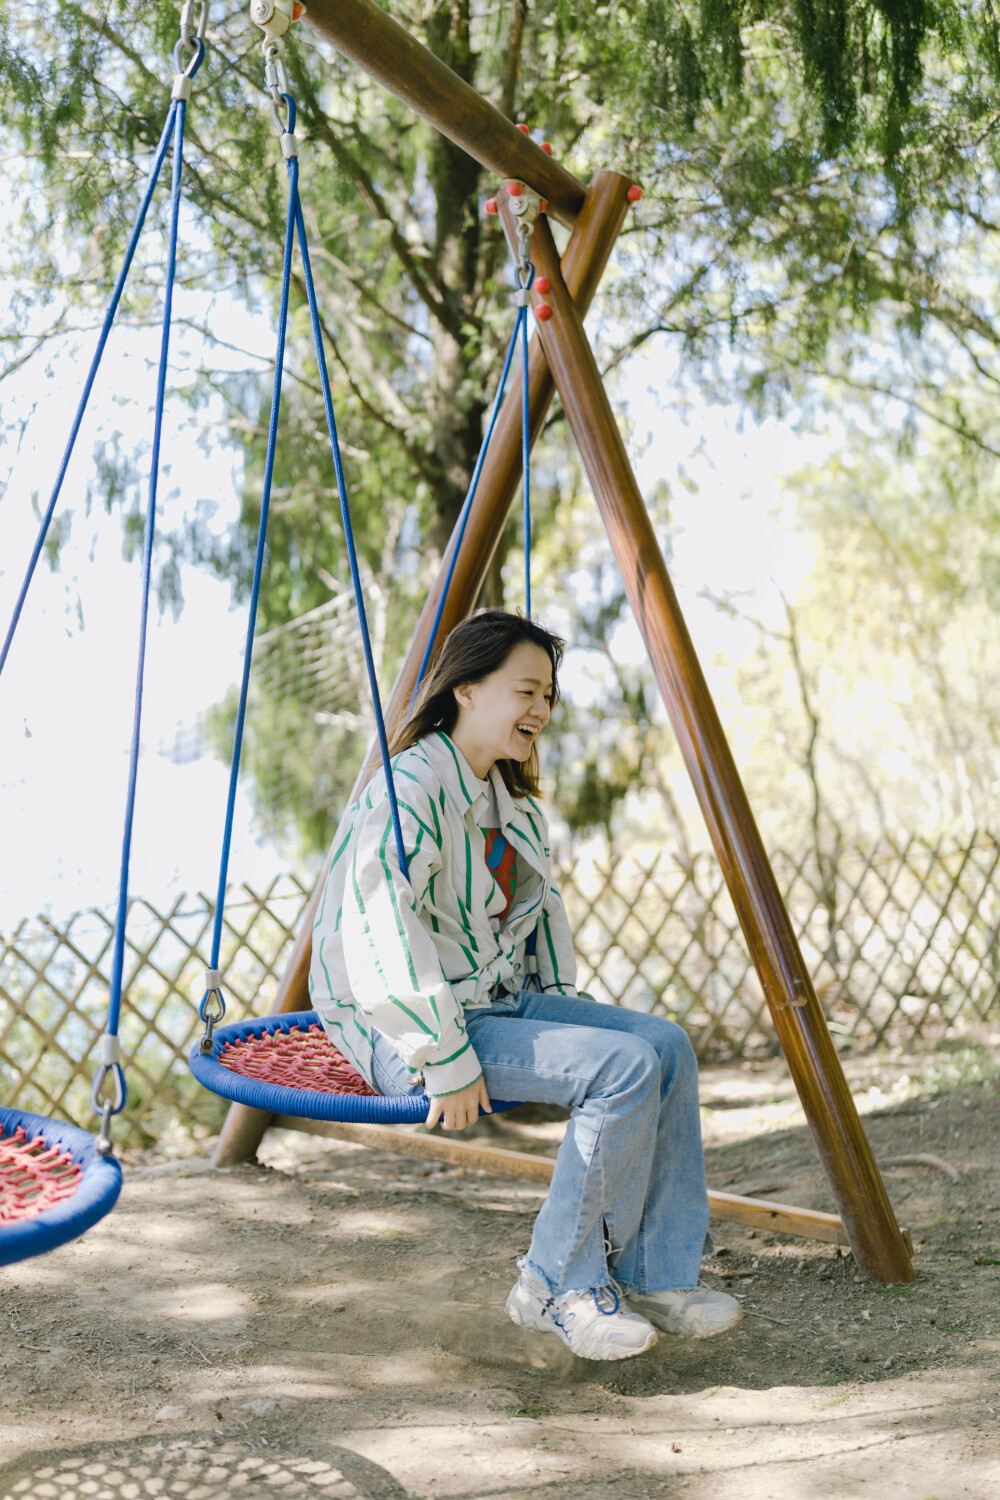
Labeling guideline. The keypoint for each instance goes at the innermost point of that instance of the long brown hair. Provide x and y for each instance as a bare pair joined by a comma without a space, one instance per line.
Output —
472,651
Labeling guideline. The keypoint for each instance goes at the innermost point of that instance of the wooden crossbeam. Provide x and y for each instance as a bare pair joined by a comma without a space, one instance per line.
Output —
363,32
756,1213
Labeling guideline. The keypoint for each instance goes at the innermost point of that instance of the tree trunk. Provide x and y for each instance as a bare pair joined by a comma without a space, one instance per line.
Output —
454,178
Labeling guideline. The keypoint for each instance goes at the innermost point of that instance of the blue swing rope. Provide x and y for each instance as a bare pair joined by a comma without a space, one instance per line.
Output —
345,512
295,225
526,448
205,1056
520,327
101,1182
140,219
212,1008
213,977
110,1054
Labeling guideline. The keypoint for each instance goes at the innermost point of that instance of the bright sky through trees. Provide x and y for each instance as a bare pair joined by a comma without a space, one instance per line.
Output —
66,695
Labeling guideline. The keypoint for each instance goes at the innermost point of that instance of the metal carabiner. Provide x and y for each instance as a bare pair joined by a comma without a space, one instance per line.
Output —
103,1145
275,72
523,243
195,43
187,10
211,1017
277,84
107,1108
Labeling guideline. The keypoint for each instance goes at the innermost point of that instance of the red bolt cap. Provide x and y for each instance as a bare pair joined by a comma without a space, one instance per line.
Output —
634,193
543,205
543,312
491,205
542,285
515,189
547,147
525,128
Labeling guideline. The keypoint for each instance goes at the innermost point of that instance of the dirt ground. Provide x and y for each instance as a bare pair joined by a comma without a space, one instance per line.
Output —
330,1321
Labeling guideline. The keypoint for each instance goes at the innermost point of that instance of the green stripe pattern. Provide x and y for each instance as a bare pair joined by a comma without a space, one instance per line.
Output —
405,958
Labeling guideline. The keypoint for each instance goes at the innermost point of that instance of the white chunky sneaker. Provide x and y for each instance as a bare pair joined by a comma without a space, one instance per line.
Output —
696,1312
595,1324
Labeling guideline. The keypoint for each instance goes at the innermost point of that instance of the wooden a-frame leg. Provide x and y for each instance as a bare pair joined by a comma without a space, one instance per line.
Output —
847,1157
597,227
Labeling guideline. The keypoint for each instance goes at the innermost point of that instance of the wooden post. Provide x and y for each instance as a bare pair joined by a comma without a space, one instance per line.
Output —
363,32
802,1031
586,256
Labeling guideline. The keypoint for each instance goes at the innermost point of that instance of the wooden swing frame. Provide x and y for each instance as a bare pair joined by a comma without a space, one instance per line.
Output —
561,359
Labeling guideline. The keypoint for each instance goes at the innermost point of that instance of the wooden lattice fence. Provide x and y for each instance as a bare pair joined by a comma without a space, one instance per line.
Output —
903,942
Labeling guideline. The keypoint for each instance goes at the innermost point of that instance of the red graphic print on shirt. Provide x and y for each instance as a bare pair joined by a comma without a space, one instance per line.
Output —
501,861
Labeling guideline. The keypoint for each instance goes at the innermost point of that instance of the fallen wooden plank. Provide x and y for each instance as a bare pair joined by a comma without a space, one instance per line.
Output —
758,1213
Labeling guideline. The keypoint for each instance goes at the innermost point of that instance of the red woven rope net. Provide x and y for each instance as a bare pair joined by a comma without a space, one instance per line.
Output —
296,1059
33,1176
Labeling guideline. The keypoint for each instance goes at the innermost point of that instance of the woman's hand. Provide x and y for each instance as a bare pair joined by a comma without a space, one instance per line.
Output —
456,1111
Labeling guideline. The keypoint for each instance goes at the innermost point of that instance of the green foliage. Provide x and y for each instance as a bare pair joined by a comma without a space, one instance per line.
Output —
816,175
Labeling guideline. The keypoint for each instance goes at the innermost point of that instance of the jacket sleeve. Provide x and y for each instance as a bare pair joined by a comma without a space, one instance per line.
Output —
554,951
392,964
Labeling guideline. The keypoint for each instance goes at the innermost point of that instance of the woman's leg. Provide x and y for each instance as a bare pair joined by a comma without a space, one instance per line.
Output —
611,1082
664,1248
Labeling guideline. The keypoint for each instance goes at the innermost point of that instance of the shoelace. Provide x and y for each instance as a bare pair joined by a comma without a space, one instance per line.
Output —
601,1291
611,1288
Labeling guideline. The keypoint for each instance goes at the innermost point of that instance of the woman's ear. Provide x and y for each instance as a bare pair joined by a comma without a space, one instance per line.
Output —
463,694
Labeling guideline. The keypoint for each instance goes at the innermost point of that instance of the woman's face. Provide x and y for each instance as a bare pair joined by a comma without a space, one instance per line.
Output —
501,716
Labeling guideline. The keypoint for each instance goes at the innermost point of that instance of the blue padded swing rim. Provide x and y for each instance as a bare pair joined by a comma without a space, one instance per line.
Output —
96,1195
304,1104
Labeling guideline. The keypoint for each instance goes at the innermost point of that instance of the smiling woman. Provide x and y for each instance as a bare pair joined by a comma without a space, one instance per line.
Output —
447,975
492,691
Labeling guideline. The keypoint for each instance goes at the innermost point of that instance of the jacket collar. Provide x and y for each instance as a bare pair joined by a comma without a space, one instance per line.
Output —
454,772
467,791
506,806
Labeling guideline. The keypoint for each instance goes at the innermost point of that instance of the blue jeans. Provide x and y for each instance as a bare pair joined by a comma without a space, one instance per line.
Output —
628,1192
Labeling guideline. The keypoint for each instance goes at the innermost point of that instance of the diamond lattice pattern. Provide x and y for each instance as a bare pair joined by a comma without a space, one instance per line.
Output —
901,940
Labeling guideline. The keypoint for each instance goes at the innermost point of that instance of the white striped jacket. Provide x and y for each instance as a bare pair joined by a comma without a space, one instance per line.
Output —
409,957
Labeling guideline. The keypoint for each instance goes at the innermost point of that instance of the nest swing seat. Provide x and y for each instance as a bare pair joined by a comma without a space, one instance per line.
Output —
287,1065
53,1184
